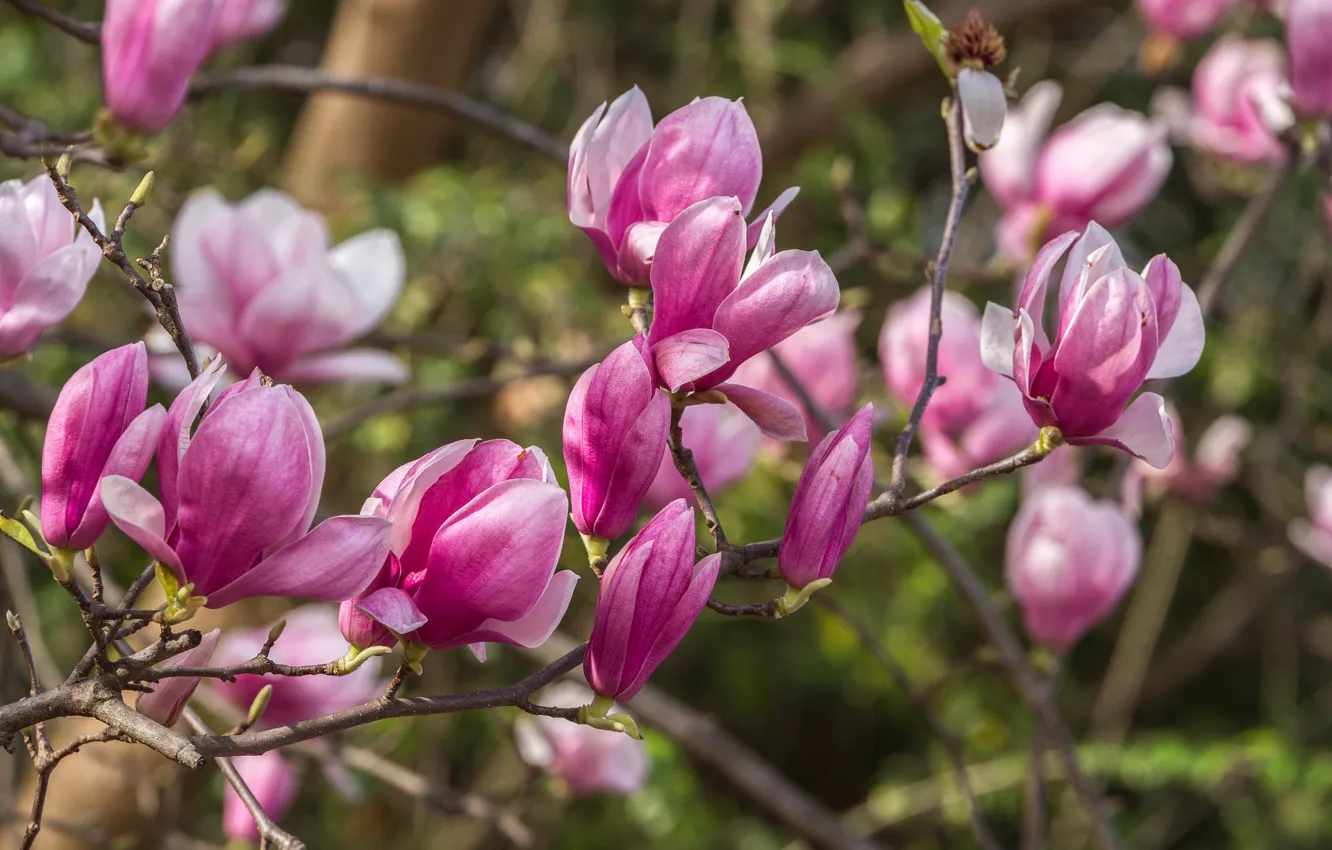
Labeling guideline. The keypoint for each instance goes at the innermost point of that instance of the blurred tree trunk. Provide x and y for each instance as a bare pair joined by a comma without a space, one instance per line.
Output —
427,41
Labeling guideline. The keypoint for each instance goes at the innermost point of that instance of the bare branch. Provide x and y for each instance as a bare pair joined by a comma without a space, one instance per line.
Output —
85,32
1240,235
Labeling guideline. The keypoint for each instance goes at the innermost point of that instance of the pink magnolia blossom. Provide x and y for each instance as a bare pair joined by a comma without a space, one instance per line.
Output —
274,783
260,282
1213,465
1105,165
150,49
1184,20
48,261
98,427
823,357
584,759
238,494
240,21
477,532
312,636
615,428
1314,535
976,417
828,503
712,312
1309,41
724,443
628,180
651,593
1237,100
168,697
1070,560
1114,330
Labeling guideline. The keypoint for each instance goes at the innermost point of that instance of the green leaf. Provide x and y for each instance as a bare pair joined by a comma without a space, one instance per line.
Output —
931,31
18,531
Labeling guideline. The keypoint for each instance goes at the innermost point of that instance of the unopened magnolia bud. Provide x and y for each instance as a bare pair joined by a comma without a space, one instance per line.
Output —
259,704
276,632
63,164
140,196
13,621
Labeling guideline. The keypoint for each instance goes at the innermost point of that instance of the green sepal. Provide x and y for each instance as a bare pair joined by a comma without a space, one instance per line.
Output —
20,533
931,31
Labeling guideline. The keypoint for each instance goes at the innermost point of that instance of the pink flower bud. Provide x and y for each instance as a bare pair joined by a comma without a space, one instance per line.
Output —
1236,88
150,49
274,784
976,417
1214,464
585,759
260,282
828,502
1105,165
712,313
1309,40
1069,561
48,261
1184,19
98,427
311,636
628,180
477,532
1115,329
240,21
724,443
238,495
615,428
1314,535
164,703
651,593
823,357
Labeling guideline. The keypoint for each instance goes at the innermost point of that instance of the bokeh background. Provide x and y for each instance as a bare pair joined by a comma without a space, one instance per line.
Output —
1227,745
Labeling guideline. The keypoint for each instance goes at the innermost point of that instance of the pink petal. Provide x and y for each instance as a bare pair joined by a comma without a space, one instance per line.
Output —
613,144
335,561
1183,344
707,149
394,609
355,364
697,265
169,696
176,433
45,296
1009,168
272,781
998,330
539,624
775,416
681,619
373,267
1143,430
129,458
773,212
689,355
135,512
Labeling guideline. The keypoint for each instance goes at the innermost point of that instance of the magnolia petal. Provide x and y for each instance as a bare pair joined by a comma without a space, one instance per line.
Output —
689,355
775,416
754,233
135,512
998,332
539,624
1183,344
704,150
169,696
357,364
1143,431
373,266
984,106
394,609
130,457
697,264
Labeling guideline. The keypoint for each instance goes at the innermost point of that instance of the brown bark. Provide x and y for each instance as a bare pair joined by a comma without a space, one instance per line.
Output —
427,41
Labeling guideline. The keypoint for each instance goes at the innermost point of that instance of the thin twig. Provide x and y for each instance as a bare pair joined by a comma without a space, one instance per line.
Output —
300,79
688,469
885,505
1241,234
939,278
83,31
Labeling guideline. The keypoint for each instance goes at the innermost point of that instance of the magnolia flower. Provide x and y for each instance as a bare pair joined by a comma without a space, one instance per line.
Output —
1069,561
98,427
150,49
615,429
311,636
477,532
239,21
1309,40
975,417
1104,165
628,180
584,759
1115,329
712,312
1184,19
238,494
1314,535
724,443
274,783
165,701
48,261
650,594
823,358
259,282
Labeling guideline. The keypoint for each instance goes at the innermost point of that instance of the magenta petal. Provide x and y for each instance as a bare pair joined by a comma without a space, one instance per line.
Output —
775,416
176,433
539,624
335,561
169,696
356,364
1034,286
1143,430
394,609
689,355
788,292
140,516
707,149
1182,345
681,619
774,210
697,264
130,458
272,780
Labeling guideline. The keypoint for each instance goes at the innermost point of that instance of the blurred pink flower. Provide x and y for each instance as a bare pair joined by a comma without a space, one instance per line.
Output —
1184,19
168,697
48,261
976,417
259,282
724,443
1105,165
1069,561
1214,464
1237,98
1309,41
312,636
240,21
272,780
585,759
1314,535
150,49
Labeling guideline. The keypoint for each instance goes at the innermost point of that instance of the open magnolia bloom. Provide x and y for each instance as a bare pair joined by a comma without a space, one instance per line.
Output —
712,312
628,180
1314,535
1115,329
